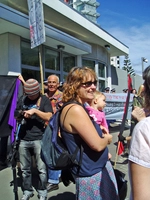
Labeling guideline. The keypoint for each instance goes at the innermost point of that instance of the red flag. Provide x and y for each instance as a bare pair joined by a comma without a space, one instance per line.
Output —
129,83
121,148
120,143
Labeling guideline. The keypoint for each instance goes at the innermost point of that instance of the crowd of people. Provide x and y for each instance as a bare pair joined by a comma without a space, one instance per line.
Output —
85,110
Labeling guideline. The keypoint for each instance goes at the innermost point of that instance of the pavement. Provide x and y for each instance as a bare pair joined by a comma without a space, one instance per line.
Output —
63,193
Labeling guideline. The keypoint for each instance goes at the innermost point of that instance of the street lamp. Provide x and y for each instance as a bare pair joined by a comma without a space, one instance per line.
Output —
143,60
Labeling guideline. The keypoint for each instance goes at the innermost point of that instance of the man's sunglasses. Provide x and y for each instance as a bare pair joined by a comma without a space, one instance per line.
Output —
89,83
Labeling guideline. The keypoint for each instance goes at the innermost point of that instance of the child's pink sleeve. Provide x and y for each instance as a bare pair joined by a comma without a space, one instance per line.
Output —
104,122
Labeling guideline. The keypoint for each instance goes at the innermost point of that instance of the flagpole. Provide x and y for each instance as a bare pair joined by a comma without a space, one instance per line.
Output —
116,158
125,115
41,67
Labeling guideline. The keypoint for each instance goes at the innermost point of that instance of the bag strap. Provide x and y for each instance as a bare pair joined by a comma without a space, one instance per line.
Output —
77,148
66,113
75,154
38,103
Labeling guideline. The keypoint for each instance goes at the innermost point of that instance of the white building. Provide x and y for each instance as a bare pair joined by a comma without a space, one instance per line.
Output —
71,39
115,61
88,8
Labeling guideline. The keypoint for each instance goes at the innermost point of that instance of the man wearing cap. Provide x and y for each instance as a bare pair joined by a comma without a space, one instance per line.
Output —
55,97
107,89
113,90
35,109
125,90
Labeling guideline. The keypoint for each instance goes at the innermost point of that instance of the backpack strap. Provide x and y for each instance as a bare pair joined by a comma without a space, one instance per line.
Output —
66,113
77,148
38,103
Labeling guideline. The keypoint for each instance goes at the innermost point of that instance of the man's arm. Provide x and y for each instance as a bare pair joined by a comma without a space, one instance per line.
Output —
45,112
45,116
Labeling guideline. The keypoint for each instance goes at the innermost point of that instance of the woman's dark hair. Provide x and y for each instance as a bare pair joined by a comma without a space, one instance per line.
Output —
146,77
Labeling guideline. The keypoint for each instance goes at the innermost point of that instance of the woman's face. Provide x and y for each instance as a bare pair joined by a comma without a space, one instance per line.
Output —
87,89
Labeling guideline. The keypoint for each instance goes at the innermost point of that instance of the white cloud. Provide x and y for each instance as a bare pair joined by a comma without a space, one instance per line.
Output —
138,41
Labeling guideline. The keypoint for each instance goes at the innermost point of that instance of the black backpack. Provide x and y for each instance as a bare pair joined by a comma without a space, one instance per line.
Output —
121,183
53,149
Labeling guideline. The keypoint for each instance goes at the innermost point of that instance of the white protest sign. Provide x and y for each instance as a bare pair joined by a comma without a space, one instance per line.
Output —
36,22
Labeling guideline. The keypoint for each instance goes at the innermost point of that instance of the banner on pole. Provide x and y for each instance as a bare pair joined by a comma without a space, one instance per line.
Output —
115,105
36,22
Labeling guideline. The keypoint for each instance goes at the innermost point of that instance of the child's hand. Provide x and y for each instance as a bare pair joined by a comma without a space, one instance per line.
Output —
104,130
109,156
108,136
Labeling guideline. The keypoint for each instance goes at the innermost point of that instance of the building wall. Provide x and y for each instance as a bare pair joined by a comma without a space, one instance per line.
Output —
138,80
120,80
10,53
98,53
4,54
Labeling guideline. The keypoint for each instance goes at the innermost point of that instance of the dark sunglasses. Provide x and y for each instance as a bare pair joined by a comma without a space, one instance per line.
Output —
89,83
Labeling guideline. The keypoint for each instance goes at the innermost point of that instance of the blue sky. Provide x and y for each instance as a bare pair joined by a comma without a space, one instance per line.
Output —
128,21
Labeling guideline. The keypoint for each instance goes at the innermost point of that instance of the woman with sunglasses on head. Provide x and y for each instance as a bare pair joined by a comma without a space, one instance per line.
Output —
95,178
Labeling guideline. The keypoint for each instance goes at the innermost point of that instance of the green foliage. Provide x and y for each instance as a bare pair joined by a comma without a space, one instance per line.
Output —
127,66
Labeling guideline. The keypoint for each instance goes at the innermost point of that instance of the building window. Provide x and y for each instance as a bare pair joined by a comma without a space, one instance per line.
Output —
29,73
80,7
52,59
30,61
101,70
69,61
29,56
101,85
89,63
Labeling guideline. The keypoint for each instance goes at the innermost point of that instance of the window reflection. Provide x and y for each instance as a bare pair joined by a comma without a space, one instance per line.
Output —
89,63
29,56
68,62
29,73
52,60
101,85
101,70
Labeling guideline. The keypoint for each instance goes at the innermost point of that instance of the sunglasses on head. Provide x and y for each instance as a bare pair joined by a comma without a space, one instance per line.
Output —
89,83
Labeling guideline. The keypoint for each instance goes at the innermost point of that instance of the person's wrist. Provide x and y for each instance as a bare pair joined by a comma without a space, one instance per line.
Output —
140,118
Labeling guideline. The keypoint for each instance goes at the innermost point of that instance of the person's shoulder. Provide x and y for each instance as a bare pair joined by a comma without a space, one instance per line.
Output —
75,107
89,108
44,98
143,126
101,112
58,95
58,92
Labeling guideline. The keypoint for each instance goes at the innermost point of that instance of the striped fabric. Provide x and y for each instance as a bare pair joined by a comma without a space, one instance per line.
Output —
31,87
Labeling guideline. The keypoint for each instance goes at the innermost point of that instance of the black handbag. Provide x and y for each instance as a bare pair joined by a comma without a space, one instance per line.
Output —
122,184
